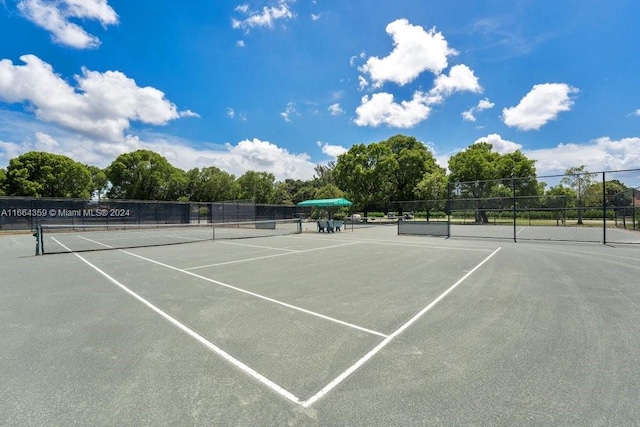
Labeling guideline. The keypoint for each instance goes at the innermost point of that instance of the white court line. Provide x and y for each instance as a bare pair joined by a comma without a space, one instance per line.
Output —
226,242
275,301
202,340
58,242
521,230
267,256
326,389
395,243
95,241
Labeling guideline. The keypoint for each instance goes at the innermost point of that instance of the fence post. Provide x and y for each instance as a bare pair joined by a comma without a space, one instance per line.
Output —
515,210
604,209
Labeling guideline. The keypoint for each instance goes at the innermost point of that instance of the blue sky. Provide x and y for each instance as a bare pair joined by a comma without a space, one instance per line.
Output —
283,85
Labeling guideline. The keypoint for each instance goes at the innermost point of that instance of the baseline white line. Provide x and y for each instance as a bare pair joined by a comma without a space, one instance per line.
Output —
267,256
326,389
202,340
275,301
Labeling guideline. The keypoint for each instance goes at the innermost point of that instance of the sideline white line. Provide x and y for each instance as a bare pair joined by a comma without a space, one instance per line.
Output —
275,301
202,340
326,389
267,256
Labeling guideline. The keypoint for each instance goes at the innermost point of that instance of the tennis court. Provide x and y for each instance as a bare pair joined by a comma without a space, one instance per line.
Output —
359,327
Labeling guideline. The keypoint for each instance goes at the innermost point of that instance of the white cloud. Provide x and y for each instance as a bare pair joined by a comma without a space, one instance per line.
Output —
484,104
331,150
353,59
289,111
601,154
415,50
263,156
637,113
241,43
264,18
380,109
335,109
231,112
460,79
30,135
362,83
500,145
54,17
104,104
542,104
316,17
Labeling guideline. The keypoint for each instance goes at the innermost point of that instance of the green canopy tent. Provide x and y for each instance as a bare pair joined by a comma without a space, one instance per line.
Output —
329,204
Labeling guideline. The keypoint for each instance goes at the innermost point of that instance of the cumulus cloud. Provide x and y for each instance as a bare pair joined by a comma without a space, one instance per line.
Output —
542,104
264,18
102,104
601,154
484,104
381,109
415,51
331,150
637,113
460,79
499,144
335,109
55,17
236,158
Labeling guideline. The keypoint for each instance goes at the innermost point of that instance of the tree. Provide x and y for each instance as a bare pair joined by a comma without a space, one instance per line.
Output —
324,174
329,191
433,189
363,172
210,184
3,179
257,186
559,199
479,173
40,174
98,181
410,161
145,175
579,180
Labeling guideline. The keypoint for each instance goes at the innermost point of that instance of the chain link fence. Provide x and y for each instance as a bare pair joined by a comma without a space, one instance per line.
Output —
25,213
602,207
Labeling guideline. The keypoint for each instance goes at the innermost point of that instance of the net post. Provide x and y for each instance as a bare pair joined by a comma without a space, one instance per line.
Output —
38,236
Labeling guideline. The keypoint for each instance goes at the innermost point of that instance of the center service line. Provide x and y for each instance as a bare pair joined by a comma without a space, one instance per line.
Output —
202,340
275,301
326,389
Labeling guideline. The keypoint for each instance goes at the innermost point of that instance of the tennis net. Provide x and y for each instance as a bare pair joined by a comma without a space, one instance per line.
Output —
82,238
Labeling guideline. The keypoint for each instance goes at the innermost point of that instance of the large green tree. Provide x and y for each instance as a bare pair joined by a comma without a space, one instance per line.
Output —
385,171
363,172
99,181
410,161
479,173
40,174
257,186
145,175
211,184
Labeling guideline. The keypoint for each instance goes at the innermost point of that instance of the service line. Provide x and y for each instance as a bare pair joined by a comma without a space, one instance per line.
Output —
326,389
202,340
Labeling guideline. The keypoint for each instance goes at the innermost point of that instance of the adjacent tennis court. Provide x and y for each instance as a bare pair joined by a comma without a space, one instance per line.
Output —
358,327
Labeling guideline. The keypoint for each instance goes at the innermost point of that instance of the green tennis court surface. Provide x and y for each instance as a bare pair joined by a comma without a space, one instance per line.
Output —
361,327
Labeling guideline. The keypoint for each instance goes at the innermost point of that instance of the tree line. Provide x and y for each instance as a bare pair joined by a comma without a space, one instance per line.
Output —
374,176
